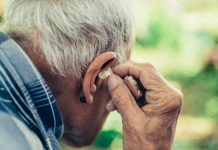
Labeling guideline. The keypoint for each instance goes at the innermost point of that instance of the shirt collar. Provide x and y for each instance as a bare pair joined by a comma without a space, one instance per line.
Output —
30,89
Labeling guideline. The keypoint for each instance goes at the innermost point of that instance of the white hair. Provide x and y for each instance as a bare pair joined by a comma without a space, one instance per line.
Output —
71,33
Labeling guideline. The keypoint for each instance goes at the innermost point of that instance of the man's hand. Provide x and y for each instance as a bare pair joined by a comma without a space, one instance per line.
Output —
151,127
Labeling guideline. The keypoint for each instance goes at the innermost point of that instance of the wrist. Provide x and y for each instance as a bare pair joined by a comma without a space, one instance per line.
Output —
160,143
136,142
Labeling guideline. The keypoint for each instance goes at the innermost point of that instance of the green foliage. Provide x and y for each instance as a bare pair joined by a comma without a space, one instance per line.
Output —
105,138
163,30
206,144
185,145
201,93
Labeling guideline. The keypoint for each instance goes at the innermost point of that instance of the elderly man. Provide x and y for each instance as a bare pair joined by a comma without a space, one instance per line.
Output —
54,60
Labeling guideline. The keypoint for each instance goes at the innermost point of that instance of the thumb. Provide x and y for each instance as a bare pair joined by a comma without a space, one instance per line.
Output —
122,97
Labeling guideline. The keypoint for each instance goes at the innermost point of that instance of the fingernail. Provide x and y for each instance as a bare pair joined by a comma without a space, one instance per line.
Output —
139,93
112,82
131,80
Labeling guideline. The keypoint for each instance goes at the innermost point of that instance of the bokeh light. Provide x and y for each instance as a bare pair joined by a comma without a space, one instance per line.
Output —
180,37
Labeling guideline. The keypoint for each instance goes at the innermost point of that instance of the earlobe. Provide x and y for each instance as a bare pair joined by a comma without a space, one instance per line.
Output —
91,80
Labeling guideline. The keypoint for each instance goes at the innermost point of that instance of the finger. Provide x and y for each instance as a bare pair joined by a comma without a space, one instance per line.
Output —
146,73
110,106
133,86
122,97
162,107
127,69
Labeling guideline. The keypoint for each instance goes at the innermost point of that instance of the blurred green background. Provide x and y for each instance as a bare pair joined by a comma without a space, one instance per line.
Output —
180,37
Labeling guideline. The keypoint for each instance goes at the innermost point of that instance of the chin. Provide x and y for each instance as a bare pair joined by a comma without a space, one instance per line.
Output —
78,140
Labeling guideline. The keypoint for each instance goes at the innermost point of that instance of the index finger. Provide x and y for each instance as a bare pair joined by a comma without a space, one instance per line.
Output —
143,72
121,96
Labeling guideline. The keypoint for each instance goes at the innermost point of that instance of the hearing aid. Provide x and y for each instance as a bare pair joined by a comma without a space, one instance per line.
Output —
102,75
128,80
105,74
96,72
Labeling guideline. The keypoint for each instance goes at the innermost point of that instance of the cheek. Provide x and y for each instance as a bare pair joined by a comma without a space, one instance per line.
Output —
102,94
82,117
79,116
83,122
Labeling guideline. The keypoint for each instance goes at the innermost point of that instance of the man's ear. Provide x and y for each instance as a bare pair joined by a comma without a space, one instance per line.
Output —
91,80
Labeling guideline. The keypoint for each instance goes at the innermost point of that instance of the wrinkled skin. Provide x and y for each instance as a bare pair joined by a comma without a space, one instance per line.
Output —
151,127
82,122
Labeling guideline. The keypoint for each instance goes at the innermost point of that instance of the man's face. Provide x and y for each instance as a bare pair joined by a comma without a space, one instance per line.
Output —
82,121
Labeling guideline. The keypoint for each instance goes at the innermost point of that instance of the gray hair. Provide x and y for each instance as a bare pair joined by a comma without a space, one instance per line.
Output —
71,33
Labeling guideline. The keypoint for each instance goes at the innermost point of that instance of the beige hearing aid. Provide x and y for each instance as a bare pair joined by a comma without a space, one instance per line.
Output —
105,74
128,80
